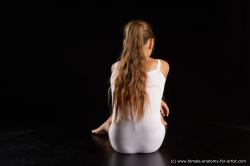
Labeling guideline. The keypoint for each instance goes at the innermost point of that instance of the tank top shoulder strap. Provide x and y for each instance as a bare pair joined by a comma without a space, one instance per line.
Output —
158,65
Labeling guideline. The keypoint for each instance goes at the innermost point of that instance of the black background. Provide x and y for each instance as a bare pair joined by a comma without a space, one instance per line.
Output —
56,62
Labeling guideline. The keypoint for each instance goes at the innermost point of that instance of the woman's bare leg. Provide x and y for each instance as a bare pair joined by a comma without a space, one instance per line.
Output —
103,129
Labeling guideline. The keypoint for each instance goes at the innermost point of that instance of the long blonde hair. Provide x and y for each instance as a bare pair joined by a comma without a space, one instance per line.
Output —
130,83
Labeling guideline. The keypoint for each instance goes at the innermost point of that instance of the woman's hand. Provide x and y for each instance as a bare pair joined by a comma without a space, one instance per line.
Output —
164,108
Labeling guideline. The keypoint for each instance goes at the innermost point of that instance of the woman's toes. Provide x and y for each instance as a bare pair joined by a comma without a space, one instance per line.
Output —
99,131
93,131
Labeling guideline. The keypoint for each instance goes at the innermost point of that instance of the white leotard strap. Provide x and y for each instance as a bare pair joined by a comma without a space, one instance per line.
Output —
158,65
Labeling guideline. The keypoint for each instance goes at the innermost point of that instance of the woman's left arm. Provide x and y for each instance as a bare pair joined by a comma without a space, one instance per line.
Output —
164,108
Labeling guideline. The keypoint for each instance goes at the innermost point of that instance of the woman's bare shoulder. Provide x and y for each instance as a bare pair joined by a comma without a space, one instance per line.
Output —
164,63
165,67
114,65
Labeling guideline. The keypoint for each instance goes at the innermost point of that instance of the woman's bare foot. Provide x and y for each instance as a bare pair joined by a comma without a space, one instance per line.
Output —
103,129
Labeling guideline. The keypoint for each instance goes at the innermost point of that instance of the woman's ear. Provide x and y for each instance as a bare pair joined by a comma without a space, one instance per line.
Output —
151,43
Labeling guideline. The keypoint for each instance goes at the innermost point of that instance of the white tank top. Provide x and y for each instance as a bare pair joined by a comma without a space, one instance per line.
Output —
147,135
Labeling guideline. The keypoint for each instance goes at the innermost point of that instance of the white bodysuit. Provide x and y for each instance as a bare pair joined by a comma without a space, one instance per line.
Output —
147,135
